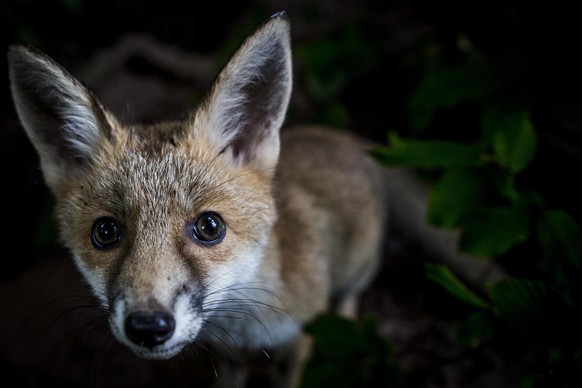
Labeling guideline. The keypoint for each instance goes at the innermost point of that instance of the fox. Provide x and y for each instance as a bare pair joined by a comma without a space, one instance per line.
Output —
224,229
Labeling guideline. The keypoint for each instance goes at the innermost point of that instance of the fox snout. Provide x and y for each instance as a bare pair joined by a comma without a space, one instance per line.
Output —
149,328
155,330
155,310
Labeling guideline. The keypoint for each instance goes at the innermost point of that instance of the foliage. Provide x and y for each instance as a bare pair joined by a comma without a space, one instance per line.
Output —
350,355
477,191
330,66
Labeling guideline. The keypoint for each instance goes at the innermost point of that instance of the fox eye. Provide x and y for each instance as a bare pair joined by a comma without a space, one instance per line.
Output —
208,228
106,233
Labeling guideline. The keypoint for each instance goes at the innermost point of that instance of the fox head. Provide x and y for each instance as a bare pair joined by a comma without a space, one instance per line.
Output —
164,221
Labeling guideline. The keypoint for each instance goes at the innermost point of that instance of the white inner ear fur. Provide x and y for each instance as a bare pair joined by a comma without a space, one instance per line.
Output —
73,108
260,68
79,123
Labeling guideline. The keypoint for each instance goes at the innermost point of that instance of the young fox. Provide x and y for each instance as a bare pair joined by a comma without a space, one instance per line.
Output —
218,229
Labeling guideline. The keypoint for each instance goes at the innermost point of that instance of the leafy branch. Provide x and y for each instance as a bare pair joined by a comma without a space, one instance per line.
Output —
476,191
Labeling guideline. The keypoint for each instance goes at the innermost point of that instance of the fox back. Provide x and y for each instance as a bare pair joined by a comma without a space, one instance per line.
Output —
219,228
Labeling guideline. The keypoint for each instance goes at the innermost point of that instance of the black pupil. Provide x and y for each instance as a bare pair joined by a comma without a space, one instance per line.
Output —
107,231
209,227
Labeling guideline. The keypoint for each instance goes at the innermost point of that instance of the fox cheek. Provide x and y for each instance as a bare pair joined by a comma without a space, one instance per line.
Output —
96,277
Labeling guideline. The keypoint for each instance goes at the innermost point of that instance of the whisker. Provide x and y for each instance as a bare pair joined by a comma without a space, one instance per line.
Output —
100,347
245,301
243,313
226,332
236,357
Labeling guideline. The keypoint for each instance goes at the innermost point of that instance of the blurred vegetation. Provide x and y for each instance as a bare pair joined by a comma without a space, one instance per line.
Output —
350,354
477,191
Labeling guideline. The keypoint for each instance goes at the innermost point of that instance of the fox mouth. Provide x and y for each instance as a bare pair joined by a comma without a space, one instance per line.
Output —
160,352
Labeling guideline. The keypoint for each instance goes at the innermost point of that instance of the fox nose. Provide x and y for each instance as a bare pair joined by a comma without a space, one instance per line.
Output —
149,328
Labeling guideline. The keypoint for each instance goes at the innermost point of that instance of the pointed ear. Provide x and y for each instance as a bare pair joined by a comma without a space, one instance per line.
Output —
247,104
61,117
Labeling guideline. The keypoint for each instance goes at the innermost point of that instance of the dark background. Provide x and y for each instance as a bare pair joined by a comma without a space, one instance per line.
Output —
357,64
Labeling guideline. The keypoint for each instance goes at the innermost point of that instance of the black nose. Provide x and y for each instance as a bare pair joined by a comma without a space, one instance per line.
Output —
149,328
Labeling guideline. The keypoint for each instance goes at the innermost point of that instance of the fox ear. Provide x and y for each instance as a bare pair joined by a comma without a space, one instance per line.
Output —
60,116
247,104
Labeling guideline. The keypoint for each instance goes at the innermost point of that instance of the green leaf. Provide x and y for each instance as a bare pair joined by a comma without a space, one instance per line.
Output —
560,236
336,115
498,114
450,86
532,306
443,276
349,354
428,154
495,230
332,64
454,197
476,329
515,141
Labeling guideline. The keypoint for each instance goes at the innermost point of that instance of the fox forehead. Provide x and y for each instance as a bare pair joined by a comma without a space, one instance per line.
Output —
143,181
156,166
141,175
